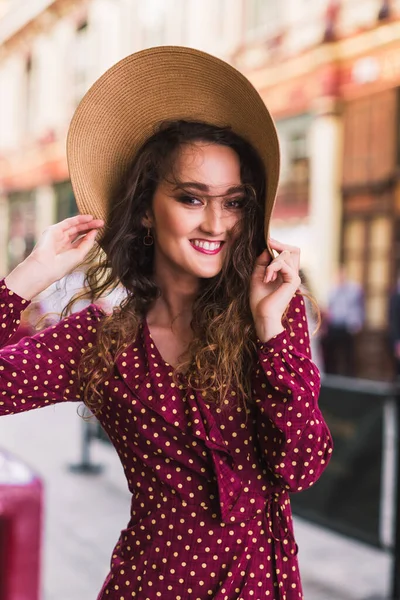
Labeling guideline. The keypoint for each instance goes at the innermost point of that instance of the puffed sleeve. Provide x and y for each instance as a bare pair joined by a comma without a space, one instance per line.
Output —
292,435
41,369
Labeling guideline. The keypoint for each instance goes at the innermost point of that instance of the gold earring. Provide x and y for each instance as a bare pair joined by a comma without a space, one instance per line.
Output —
148,239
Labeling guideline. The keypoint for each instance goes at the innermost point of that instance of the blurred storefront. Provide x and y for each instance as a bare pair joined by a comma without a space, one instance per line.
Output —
370,240
290,222
65,201
51,51
371,214
21,227
282,55
340,172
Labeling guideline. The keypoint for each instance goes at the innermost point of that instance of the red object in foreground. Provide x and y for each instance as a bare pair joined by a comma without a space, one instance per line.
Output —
21,499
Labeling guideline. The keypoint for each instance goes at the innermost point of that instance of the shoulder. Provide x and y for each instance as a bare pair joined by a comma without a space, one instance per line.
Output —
87,318
78,329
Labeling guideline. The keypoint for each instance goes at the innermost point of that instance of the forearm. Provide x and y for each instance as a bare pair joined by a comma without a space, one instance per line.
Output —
292,434
43,369
27,280
293,437
268,328
285,386
295,458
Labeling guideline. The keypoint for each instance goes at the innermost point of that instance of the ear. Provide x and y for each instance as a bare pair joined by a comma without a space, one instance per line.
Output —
147,220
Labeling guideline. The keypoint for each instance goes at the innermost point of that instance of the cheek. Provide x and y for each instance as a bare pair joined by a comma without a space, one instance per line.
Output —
236,223
175,223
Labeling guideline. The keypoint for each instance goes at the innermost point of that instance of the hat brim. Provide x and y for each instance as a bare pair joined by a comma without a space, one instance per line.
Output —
123,107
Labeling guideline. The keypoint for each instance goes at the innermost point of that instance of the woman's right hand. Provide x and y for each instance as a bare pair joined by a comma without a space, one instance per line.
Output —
60,248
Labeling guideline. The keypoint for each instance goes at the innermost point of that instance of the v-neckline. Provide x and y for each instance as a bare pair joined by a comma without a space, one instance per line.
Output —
159,358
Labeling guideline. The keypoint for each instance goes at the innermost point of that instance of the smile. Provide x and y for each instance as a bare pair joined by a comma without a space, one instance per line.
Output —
206,247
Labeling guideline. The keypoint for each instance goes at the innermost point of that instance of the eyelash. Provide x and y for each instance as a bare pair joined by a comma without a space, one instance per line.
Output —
184,199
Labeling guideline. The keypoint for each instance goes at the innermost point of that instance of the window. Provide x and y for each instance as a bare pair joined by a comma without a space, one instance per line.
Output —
262,17
30,94
369,140
366,250
65,201
152,15
294,183
369,169
81,62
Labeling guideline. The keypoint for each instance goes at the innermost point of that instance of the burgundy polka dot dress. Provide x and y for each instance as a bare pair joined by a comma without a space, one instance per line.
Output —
210,512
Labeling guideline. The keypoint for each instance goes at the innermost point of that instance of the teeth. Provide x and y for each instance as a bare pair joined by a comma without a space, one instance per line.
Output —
207,245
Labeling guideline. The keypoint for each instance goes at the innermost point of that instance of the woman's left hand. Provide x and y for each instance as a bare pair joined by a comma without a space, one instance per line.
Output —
273,284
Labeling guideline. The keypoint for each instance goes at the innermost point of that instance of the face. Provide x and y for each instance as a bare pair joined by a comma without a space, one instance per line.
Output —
194,213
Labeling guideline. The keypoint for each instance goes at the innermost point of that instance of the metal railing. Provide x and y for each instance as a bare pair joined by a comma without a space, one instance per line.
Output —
358,496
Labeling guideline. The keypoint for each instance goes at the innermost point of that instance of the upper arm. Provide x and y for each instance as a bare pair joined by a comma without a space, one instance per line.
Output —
43,369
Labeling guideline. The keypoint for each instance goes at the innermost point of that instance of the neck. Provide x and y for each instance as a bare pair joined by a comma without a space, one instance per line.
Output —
174,306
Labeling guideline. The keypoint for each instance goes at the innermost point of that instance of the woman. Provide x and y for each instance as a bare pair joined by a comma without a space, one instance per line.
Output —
202,377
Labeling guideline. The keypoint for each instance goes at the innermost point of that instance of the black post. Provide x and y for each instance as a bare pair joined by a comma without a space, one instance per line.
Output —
395,584
86,466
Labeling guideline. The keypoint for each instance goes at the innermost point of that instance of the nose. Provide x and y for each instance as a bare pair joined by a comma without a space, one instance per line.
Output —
213,218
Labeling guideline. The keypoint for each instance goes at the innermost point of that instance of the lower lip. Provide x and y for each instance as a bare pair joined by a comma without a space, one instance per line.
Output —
204,251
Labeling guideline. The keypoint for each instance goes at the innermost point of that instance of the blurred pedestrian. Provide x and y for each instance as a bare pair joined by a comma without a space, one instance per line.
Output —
202,376
394,324
344,320
385,10
332,14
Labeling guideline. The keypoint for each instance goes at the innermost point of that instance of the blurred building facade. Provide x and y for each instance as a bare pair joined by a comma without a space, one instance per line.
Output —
330,73
50,54
328,70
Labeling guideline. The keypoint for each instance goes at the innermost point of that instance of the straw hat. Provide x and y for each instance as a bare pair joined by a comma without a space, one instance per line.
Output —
120,112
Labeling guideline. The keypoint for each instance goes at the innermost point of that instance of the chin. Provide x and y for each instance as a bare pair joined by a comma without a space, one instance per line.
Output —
200,271
208,274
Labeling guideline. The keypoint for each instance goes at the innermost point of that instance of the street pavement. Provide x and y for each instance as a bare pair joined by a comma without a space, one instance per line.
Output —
85,513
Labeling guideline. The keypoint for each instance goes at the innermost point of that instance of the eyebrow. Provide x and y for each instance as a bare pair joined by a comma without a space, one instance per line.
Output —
203,187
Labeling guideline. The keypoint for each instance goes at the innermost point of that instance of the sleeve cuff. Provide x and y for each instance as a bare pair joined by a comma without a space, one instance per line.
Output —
274,345
11,298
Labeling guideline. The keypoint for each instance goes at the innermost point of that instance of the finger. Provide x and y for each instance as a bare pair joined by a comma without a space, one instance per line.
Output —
84,227
288,257
85,243
274,277
293,250
280,266
72,221
267,272
272,270
262,261
263,258
284,256
280,246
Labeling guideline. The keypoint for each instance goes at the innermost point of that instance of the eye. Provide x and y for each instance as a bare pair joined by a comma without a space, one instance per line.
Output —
190,200
236,203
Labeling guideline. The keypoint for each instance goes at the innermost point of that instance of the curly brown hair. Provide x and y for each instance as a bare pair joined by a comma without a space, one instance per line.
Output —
221,356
